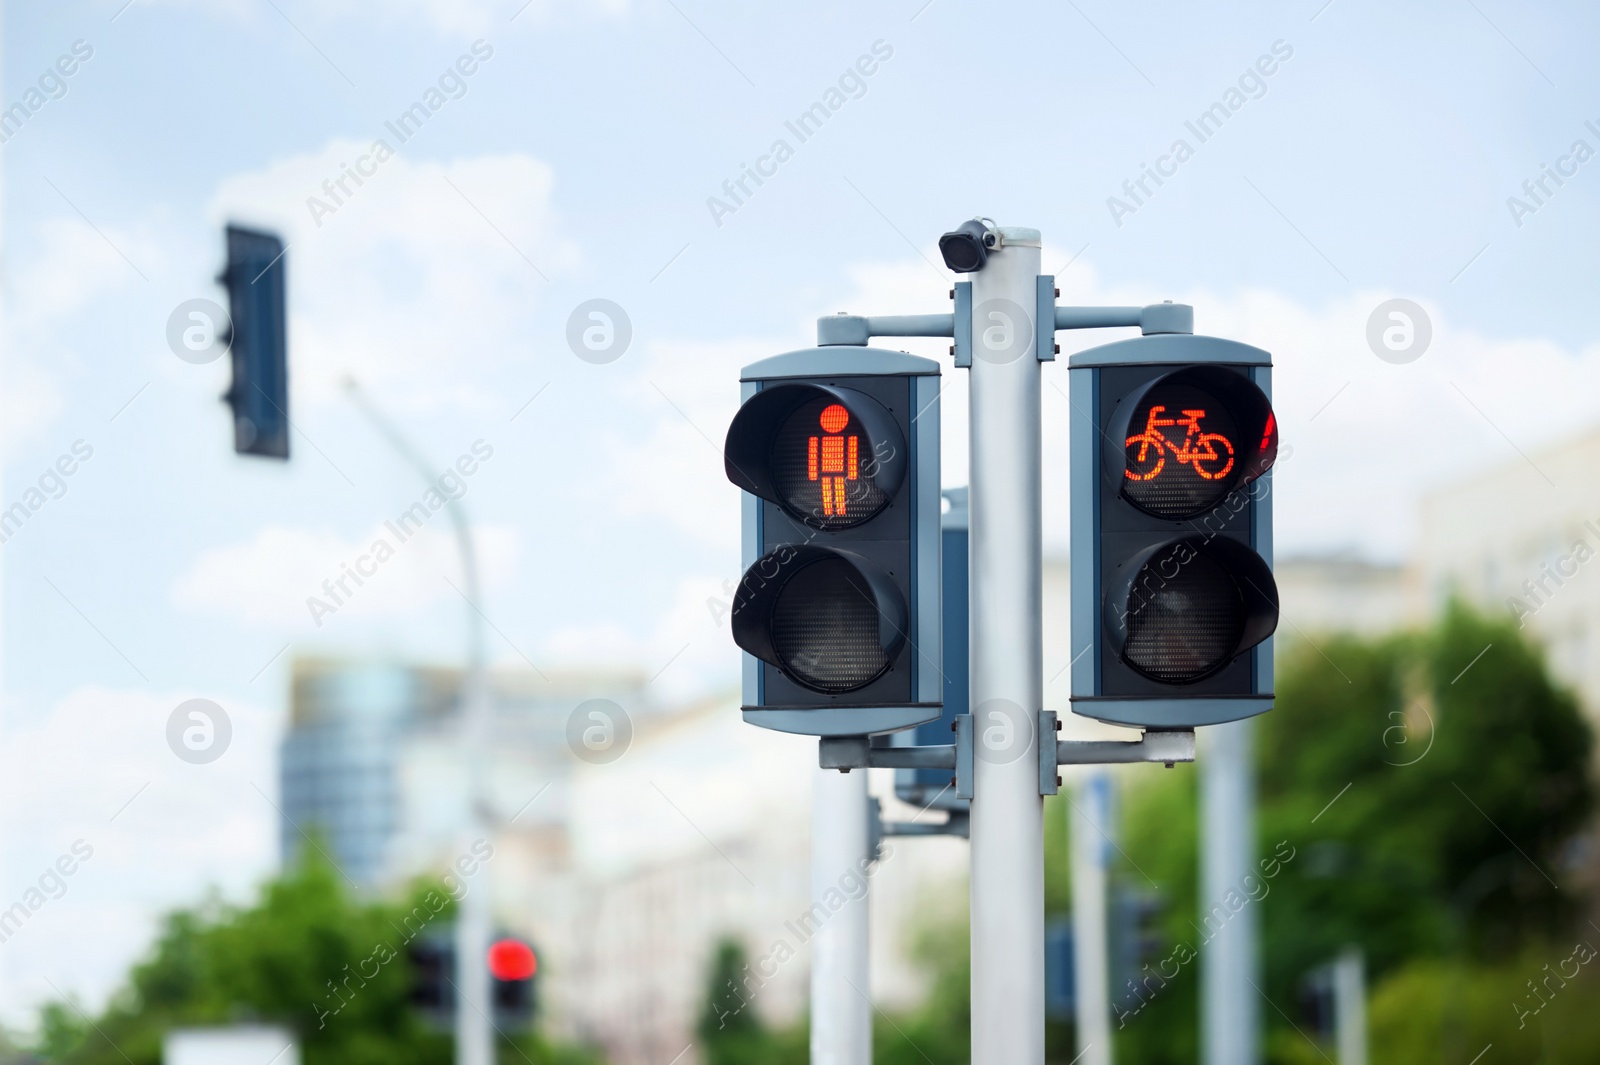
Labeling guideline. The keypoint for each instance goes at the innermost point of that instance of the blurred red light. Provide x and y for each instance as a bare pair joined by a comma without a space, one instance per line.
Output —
512,959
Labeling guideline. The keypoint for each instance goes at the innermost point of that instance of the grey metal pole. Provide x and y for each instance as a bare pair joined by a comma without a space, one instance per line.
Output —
1091,955
841,1009
1229,960
1350,1006
474,922
1007,659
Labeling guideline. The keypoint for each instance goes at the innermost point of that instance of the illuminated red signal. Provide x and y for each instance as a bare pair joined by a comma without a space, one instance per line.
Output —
512,959
1211,454
1269,435
833,459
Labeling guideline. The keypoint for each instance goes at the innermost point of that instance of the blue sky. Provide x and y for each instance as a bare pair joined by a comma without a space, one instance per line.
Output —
1375,163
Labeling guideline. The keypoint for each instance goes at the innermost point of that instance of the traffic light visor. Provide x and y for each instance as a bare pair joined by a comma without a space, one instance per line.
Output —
1182,610
831,457
831,620
1188,439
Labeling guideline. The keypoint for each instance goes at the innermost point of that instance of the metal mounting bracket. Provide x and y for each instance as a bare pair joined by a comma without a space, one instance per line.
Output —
845,753
857,329
1157,745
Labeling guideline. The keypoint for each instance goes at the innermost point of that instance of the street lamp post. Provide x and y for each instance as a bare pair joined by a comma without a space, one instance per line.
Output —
473,1025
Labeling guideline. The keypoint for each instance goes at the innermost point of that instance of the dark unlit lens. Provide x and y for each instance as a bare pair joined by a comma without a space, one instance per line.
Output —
1185,618
826,628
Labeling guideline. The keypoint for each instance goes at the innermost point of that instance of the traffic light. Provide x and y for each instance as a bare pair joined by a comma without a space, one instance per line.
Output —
837,449
925,788
512,966
258,343
432,957
1173,602
1136,939
1060,972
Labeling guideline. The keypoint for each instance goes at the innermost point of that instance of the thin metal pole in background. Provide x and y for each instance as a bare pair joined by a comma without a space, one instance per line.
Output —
474,1039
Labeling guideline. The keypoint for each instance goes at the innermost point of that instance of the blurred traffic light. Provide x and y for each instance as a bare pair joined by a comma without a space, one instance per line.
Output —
838,448
1060,976
512,967
259,393
1173,598
1136,939
433,970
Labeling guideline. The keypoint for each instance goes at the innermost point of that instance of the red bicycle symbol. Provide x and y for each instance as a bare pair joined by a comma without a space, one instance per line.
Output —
1211,454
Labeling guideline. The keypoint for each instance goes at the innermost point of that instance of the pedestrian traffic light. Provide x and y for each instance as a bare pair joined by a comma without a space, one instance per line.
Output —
837,448
258,343
1173,602
512,966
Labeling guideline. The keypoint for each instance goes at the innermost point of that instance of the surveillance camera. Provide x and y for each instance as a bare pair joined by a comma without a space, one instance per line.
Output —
966,248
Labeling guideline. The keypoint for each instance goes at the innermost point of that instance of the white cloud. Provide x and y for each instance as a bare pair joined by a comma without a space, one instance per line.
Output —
75,266
268,579
97,768
65,269
1358,465
422,277
685,650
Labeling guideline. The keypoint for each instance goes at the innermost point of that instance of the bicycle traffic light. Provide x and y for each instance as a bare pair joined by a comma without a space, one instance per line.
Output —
1173,601
258,343
837,450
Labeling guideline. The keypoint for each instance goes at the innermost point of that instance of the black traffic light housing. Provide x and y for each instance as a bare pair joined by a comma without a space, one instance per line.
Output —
513,993
1173,602
431,957
258,342
432,960
837,450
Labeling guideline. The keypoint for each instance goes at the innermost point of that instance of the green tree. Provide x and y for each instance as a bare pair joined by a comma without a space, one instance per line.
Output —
730,1031
1464,773
307,956
1427,785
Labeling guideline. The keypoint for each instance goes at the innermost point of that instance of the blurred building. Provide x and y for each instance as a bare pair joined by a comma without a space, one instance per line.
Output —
1343,592
373,761
1522,538
338,774
624,873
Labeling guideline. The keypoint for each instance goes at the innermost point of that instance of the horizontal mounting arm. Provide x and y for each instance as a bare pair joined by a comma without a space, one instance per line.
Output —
1156,745
857,752
956,823
845,753
1156,318
858,329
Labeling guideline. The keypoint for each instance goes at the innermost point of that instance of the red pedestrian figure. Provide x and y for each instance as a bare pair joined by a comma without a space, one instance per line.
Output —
833,459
